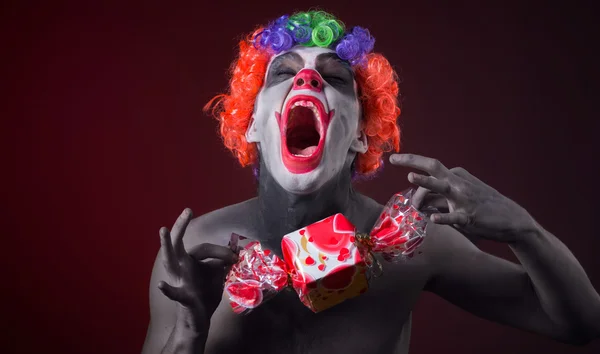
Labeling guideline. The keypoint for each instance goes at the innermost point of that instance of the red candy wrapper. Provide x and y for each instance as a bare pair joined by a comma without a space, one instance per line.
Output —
326,262
400,228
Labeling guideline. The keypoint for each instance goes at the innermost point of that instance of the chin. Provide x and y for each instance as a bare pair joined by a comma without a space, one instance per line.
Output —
313,181
305,183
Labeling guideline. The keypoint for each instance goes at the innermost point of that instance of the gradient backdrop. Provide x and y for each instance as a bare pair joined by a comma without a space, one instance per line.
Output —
105,142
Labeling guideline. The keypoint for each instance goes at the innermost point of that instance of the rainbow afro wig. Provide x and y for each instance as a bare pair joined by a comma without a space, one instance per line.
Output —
375,78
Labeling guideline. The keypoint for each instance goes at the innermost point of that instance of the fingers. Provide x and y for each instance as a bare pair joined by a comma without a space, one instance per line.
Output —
424,197
451,219
436,201
173,293
440,186
419,196
426,164
179,230
209,250
166,249
216,263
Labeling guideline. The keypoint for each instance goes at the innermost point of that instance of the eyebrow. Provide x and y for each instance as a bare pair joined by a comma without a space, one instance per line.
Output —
288,56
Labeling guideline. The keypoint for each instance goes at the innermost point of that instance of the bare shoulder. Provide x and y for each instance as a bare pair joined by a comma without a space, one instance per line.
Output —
216,226
444,245
370,204
369,211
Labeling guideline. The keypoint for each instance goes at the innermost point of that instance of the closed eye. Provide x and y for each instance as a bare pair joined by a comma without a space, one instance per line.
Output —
286,73
334,79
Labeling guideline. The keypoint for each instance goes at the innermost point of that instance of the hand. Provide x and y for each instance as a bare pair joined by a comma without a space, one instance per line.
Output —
473,207
195,277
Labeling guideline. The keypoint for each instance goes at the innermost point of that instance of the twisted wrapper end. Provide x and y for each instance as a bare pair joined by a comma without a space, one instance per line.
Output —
366,244
257,277
400,229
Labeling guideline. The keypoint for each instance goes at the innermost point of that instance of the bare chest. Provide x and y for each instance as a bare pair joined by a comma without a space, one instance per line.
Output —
375,322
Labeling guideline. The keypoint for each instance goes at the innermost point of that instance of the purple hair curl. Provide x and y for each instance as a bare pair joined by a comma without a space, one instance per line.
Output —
367,42
275,36
355,46
349,48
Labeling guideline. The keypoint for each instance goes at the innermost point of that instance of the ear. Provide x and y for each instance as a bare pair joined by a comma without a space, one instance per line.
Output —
252,132
360,144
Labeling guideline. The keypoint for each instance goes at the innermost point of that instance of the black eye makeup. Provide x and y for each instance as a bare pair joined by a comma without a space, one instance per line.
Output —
336,72
284,67
333,78
285,72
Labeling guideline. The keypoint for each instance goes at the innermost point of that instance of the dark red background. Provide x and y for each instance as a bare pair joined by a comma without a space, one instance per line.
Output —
104,142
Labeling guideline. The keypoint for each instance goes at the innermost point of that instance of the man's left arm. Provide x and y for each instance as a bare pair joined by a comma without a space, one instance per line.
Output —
549,293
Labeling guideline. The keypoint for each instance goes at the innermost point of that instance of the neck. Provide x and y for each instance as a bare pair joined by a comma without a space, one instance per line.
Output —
282,212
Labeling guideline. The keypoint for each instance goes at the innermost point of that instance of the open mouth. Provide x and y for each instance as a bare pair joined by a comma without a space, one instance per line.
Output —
302,134
303,127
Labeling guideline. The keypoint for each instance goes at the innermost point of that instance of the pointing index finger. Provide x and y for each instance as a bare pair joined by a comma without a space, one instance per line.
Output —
426,164
179,229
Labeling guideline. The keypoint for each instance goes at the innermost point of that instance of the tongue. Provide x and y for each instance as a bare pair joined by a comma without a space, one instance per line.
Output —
303,152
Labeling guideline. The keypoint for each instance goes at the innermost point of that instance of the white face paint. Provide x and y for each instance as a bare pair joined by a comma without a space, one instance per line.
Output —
307,118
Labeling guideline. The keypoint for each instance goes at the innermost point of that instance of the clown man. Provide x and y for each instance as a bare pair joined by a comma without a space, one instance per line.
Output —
311,107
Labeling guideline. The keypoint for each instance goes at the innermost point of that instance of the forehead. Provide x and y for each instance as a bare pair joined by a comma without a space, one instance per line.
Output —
308,54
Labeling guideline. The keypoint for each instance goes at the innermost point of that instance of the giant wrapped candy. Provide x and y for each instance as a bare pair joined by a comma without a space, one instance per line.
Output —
326,262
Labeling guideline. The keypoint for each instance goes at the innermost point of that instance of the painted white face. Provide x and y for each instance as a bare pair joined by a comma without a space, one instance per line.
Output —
307,118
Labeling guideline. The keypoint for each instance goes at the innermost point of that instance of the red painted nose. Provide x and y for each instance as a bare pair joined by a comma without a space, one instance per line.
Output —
308,79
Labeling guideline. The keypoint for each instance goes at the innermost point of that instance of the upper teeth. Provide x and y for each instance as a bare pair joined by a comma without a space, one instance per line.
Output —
311,105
